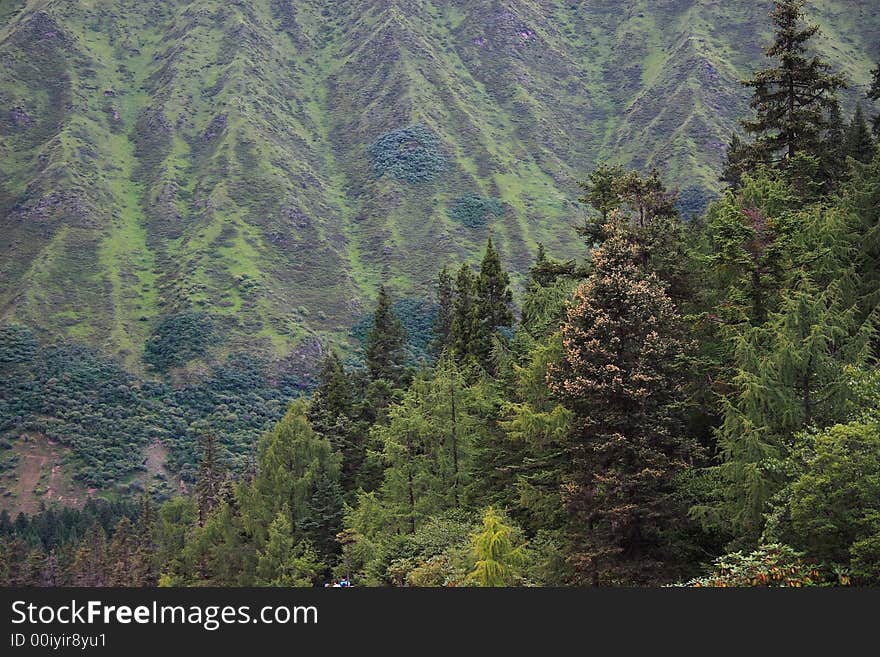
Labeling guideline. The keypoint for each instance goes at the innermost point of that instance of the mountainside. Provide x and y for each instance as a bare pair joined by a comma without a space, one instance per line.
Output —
261,167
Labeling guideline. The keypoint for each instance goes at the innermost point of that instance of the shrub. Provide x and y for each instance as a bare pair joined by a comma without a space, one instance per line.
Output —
411,154
474,211
178,338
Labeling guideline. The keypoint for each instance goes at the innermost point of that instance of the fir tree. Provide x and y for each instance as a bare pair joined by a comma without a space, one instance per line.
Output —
445,312
859,144
465,322
834,149
874,94
331,414
493,302
621,376
735,162
791,98
122,555
286,563
89,567
210,477
385,343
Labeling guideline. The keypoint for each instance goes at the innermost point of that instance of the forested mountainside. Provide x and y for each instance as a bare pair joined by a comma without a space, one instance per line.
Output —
269,163
674,389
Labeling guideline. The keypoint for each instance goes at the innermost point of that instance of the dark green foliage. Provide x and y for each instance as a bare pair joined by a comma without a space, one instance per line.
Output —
445,305
17,344
791,98
413,154
693,201
474,211
465,321
89,403
493,305
178,339
417,316
858,143
621,375
874,94
735,161
385,356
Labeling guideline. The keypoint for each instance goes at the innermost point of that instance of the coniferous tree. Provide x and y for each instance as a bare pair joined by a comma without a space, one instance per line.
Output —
147,562
498,560
493,302
122,555
792,97
332,415
210,477
621,376
445,312
286,563
428,445
859,144
52,574
874,94
789,373
465,322
298,471
386,358
602,193
751,235
735,162
89,567
834,150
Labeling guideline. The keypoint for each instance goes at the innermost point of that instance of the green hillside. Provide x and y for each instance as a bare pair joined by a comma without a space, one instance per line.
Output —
269,163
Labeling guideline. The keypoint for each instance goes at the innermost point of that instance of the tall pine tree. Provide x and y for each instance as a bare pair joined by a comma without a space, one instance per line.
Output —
494,299
621,376
859,144
445,312
792,97
386,342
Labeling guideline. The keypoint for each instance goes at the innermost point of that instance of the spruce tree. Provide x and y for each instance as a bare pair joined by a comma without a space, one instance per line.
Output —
792,97
210,477
122,555
445,312
859,144
834,150
386,342
621,376
735,162
298,471
874,94
332,415
493,302
89,567
465,321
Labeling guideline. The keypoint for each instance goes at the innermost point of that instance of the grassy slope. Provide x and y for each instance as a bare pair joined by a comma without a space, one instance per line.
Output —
164,156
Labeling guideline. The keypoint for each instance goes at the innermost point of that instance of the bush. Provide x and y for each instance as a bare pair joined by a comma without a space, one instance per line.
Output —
474,211
769,566
179,338
412,154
